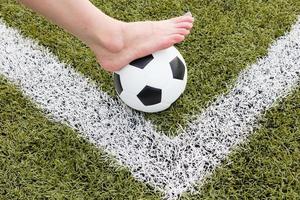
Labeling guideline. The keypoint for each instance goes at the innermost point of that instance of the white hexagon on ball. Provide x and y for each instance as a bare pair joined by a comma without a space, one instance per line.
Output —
154,82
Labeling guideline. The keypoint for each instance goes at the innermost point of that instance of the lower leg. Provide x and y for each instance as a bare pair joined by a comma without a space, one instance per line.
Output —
115,43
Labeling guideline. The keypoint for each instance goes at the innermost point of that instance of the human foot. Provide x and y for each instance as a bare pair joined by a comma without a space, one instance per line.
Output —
129,41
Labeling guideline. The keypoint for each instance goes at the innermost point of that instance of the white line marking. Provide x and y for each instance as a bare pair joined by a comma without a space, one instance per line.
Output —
170,165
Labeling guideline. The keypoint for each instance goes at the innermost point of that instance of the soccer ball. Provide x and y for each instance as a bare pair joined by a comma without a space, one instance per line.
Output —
154,82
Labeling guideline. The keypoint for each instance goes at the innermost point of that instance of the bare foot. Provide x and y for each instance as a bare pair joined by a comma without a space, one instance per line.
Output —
129,41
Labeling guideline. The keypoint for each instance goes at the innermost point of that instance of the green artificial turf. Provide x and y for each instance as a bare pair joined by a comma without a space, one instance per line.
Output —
266,167
40,159
227,36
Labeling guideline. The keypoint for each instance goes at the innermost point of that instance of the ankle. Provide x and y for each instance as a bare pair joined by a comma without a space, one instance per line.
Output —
109,36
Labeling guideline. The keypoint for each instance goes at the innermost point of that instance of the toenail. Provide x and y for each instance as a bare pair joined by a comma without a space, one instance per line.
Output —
188,14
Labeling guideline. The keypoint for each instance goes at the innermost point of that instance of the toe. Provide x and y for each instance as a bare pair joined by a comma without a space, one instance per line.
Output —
185,18
176,38
171,40
182,31
186,25
188,14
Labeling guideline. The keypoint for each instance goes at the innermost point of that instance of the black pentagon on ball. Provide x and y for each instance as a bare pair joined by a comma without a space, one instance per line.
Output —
178,68
150,96
142,62
118,84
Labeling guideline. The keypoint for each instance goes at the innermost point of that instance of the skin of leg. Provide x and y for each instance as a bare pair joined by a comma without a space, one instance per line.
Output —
115,43
81,18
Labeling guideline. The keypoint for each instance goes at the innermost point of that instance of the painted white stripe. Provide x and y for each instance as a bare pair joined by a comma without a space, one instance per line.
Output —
171,165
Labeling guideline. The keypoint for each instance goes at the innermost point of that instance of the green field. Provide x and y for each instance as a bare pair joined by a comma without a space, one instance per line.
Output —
227,36
40,159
